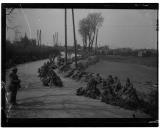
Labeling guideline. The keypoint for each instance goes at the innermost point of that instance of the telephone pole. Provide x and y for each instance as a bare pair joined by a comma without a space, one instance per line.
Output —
37,37
157,25
74,38
40,38
65,36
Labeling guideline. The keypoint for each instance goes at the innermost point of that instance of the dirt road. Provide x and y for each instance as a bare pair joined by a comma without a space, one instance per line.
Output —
37,101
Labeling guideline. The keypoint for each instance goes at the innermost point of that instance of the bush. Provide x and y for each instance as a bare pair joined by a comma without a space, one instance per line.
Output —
90,91
48,75
125,97
64,68
151,107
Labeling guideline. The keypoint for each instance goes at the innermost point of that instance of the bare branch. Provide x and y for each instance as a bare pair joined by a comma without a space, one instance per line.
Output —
9,11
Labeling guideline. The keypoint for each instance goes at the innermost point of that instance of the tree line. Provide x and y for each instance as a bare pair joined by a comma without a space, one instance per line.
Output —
105,50
27,50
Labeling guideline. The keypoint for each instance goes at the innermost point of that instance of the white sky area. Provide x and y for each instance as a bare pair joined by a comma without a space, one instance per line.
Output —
121,27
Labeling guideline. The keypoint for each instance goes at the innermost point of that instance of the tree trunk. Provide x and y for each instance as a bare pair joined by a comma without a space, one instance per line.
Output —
96,41
89,43
92,40
86,42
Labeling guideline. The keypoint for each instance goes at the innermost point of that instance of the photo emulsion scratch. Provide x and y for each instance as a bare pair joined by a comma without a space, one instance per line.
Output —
26,19
73,63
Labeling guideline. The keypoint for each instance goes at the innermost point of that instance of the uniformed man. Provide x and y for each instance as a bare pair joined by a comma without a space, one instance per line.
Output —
128,86
14,85
117,84
98,78
110,80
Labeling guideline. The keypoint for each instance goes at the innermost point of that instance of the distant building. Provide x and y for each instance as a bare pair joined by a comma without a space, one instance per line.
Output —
142,53
103,50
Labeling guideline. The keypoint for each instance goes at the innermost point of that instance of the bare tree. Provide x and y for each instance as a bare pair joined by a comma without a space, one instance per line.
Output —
84,31
88,28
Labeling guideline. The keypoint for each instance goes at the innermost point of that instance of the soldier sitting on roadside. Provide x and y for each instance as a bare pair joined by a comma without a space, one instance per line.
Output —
91,89
117,84
91,84
110,80
128,86
104,83
98,78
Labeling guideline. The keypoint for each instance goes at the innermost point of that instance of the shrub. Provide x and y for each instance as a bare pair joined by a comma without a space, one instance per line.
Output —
48,75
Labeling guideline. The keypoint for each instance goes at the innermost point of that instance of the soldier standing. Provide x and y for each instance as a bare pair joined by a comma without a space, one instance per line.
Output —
14,85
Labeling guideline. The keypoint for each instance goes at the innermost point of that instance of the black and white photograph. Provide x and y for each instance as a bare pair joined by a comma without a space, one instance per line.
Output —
80,64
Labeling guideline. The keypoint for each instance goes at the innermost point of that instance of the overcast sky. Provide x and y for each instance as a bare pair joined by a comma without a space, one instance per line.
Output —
121,28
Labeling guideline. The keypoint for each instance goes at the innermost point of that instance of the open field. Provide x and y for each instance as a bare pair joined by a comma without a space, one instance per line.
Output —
143,77
147,61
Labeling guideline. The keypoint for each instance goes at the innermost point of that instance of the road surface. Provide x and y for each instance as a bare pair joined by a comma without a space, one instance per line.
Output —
38,101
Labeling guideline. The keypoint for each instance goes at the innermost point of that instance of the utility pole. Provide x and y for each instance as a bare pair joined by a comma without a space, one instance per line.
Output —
40,38
65,36
74,38
157,25
53,40
57,37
